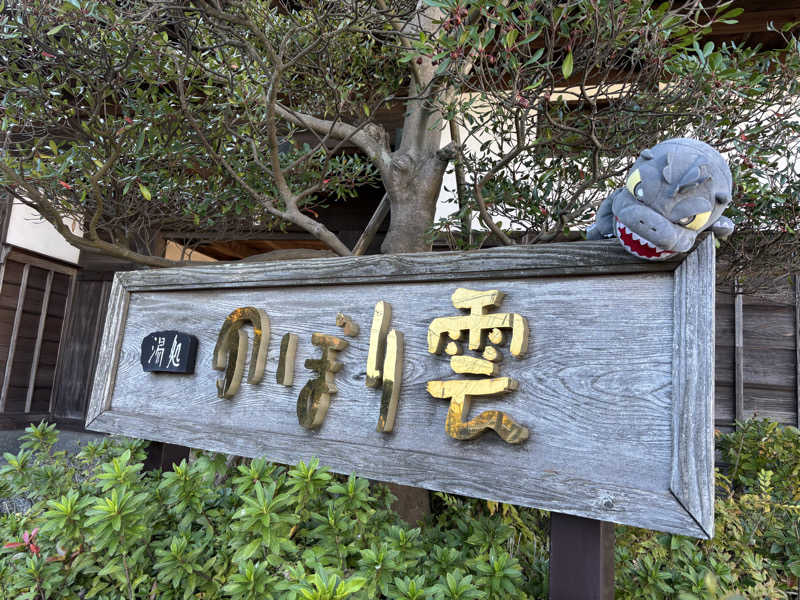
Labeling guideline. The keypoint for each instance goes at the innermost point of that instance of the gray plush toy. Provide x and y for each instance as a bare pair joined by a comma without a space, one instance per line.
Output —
675,190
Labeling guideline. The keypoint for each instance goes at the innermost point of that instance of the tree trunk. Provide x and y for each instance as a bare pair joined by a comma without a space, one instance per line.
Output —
413,186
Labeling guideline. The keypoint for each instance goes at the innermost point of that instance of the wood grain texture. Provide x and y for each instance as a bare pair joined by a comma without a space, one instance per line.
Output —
693,386
78,351
764,326
584,258
14,337
105,372
797,344
595,387
738,356
39,339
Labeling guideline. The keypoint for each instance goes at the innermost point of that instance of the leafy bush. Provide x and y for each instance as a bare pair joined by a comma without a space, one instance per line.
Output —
101,527
756,547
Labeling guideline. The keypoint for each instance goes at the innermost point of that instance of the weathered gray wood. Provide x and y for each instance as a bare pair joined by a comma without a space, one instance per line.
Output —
78,350
14,337
38,345
797,343
692,388
595,387
34,261
738,360
765,326
60,355
584,258
105,372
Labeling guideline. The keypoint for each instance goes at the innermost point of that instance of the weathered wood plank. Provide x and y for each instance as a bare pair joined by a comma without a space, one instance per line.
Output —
738,360
692,387
41,263
64,312
773,368
39,338
797,344
724,405
78,351
764,326
553,491
724,364
105,372
14,337
770,402
576,258
595,388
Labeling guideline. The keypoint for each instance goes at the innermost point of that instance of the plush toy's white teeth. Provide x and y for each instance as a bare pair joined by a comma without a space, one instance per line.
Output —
627,237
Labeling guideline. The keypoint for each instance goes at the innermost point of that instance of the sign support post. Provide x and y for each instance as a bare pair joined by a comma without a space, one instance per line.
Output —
581,558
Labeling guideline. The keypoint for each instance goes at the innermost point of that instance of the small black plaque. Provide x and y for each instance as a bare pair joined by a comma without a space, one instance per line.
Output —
169,352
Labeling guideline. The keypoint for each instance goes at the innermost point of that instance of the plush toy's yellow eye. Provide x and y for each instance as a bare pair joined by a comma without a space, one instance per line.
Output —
632,183
695,221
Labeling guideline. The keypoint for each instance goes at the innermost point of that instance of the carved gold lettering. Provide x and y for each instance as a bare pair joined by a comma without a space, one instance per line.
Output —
392,379
315,397
230,351
377,340
478,323
349,328
285,373
461,393
493,354
473,365
479,326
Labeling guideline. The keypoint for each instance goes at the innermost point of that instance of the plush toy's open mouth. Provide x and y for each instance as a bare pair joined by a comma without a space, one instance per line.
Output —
635,244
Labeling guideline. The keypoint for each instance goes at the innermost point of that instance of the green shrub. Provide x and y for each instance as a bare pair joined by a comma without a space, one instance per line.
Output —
101,527
755,552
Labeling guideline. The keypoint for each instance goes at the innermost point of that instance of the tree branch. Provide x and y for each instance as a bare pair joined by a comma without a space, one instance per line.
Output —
371,138
377,219
37,200
292,214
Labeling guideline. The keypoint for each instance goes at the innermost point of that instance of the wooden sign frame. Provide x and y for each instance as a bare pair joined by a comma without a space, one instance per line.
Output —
680,394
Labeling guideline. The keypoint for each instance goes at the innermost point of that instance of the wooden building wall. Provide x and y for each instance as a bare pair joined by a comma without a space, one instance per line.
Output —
35,299
757,364
80,346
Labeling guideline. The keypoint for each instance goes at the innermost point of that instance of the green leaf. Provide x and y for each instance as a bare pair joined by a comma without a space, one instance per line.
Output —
145,192
566,67
56,29
510,38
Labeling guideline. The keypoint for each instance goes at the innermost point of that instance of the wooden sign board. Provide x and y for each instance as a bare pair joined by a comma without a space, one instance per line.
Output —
611,398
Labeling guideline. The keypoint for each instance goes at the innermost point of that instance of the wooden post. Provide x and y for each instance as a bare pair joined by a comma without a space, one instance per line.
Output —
161,455
797,348
738,322
14,336
581,558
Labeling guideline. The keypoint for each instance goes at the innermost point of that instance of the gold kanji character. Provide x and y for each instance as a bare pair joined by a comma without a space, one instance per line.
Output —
481,327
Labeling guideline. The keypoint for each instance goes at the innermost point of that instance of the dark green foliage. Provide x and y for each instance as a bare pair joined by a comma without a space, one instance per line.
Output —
100,527
103,528
756,547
